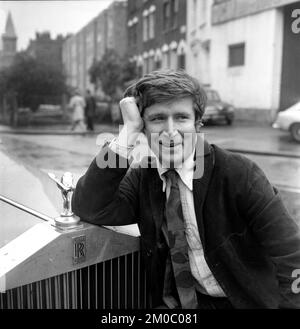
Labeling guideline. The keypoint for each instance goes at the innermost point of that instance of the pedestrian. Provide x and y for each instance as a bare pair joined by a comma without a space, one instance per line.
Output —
219,240
90,109
77,104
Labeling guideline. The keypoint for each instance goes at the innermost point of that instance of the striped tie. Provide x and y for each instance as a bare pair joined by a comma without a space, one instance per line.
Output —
178,257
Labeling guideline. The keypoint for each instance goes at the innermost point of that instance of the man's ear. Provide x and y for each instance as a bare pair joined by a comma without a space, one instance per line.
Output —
198,125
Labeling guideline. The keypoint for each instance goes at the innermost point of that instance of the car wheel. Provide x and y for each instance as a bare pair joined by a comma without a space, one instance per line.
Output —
295,131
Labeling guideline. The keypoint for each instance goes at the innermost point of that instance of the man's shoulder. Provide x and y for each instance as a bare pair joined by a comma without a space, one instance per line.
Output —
232,162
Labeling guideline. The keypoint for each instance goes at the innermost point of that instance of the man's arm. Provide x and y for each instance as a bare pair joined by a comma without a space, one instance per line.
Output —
107,196
277,232
108,193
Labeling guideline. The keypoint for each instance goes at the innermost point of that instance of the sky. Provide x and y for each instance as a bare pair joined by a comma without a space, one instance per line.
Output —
57,17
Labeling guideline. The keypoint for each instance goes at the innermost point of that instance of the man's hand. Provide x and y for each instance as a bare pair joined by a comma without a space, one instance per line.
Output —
133,123
131,115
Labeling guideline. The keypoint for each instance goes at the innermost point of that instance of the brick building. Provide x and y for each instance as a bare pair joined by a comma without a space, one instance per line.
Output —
106,31
156,34
46,49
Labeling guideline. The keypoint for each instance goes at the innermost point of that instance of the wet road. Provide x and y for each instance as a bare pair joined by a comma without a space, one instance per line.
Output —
276,154
272,150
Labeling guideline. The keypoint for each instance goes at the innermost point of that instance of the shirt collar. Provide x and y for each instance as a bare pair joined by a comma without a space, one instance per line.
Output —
186,172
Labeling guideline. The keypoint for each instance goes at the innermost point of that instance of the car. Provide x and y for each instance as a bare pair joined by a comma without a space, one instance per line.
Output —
51,261
289,120
216,109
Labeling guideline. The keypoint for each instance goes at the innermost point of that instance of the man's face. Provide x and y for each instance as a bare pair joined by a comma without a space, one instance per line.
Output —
170,131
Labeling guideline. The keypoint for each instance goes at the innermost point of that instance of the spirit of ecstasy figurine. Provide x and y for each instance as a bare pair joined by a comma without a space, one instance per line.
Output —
67,218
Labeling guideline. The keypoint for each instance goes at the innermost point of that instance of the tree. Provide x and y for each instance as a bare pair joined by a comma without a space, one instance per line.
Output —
112,72
129,71
31,80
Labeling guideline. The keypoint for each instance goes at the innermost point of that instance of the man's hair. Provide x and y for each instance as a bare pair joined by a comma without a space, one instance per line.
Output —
167,86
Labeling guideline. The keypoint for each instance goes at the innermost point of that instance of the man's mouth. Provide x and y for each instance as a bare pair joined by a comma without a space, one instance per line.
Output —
170,144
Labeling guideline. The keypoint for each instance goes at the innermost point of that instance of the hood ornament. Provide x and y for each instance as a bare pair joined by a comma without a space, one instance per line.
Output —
67,219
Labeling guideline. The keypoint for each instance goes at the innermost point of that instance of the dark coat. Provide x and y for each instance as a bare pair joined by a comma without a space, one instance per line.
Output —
90,107
251,244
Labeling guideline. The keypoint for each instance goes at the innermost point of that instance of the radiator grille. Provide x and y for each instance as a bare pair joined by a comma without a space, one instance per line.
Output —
119,283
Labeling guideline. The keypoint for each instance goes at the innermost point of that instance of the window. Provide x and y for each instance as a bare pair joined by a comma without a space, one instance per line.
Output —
194,18
132,6
173,59
166,15
151,26
130,35
134,34
140,71
170,14
157,60
158,64
151,66
212,95
132,31
216,2
203,12
181,61
148,23
145,27
175,10
146,66
73,49
166,59
236,55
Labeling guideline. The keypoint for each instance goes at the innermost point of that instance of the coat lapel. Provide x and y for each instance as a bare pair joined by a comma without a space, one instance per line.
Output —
200,185
157,198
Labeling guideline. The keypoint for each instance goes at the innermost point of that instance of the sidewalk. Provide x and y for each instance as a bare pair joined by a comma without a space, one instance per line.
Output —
241,137
63,129
253,139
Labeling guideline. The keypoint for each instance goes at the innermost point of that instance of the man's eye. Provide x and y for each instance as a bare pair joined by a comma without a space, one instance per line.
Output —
182,117
157,119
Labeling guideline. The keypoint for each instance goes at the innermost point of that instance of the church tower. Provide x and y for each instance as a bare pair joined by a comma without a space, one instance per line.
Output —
9,43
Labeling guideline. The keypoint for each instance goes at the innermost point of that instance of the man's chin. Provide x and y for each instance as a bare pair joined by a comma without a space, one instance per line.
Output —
171,157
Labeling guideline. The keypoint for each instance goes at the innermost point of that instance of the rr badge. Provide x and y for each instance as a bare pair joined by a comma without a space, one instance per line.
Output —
79,249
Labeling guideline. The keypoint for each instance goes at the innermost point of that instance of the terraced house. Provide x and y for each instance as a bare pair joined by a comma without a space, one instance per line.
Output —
106,31
157,34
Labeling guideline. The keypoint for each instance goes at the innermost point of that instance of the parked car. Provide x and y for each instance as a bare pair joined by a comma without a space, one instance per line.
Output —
216,109
289,120
45,264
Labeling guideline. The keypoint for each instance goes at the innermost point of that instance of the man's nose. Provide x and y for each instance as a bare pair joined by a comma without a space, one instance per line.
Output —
170,127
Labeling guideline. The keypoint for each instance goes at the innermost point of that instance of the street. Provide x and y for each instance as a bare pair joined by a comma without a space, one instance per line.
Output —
274,151
59,151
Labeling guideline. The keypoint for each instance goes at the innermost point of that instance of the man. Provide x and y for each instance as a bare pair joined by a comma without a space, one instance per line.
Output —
221,238
90,109
77,104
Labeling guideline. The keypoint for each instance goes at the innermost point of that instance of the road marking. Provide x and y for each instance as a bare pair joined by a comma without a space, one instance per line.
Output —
263,153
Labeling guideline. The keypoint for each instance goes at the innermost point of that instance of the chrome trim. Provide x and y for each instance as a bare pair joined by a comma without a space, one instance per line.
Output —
26,209
124,285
